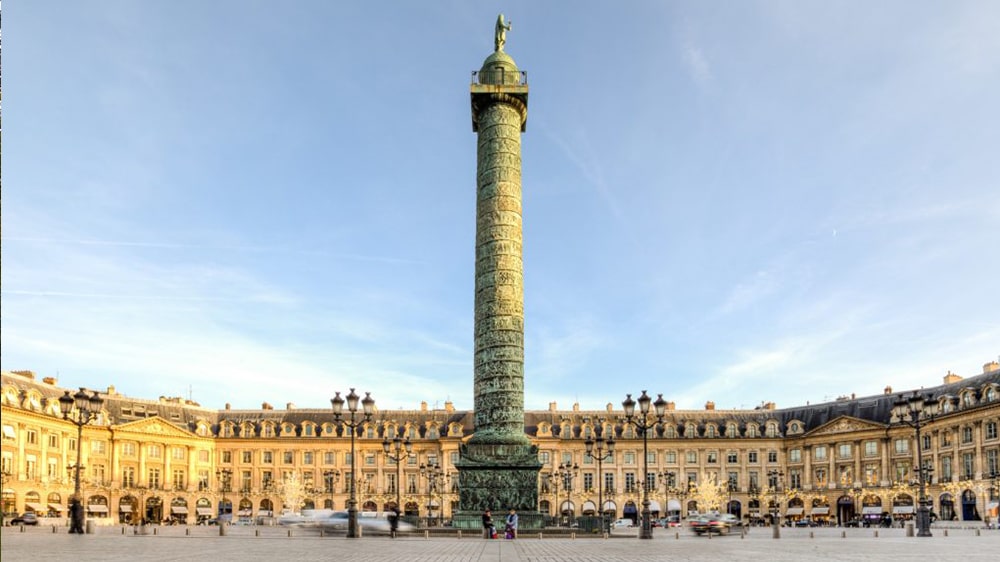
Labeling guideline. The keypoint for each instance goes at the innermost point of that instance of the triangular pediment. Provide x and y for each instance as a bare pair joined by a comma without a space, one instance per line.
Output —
845,424
153,426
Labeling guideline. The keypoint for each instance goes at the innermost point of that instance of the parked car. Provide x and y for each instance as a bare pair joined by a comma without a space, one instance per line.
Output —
26,518
622,524
710,524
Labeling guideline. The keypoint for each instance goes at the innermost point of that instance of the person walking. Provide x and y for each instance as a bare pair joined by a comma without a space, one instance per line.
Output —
511,529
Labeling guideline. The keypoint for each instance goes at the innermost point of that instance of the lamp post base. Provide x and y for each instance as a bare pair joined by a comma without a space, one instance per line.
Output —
646,531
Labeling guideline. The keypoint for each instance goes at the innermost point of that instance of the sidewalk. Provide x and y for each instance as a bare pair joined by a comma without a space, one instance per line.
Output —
273,543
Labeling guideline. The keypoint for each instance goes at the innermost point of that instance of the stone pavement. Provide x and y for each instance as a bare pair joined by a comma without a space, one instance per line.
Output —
274,544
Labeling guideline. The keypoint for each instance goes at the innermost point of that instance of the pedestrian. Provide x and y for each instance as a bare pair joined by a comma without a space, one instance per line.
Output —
489,531
511,528
393,521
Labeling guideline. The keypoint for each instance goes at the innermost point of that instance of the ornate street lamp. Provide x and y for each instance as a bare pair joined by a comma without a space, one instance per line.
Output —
80,409
368,409
397,450
225,477
433,474
774,478
565,475
605,450
916,412
643,424
330,478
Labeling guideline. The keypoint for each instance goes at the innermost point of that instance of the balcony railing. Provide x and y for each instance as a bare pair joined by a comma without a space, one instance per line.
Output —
499,77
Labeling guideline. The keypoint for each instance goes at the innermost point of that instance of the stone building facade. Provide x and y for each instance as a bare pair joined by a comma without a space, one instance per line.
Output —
170,459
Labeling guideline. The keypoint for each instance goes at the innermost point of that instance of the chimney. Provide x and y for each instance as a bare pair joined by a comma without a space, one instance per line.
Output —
49,380
290,406
709,405
951,377
610,407
423,405
552,407
266,406
990,367
228,406
111,390
576,406
888,390
671,406
449,406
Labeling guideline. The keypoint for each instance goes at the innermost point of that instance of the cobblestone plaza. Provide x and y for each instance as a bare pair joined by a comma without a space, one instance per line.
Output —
274,543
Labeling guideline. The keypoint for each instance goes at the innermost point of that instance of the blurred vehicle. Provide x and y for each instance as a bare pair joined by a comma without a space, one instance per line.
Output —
26,518
622,524
672,521
338,521
805,522
731,520
709,524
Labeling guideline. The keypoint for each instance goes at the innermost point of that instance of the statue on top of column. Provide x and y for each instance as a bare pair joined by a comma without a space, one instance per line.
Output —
500,37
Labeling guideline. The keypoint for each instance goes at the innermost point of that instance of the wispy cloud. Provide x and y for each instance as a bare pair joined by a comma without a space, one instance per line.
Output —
697,64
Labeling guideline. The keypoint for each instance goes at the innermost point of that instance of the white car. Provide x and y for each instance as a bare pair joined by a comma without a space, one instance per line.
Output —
622,524
337,520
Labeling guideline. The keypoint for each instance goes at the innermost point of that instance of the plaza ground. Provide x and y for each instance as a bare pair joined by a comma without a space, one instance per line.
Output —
274,543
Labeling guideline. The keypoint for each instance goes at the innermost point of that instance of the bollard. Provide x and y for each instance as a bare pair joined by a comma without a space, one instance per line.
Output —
290,533
843,534
811,536
539,536
572,536
54,530
459,533
22,528
91,527
977,531
187,531
427,534
123,529
709,533
946,532
677,535
876,533
256,532
222,530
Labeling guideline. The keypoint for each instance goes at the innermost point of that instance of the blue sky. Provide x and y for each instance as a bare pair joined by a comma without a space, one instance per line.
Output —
732,201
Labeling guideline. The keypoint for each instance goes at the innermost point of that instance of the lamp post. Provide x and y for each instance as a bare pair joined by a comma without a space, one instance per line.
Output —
397,450
774,479
643,424
87,409
4,477
669,481
225,477
330,478
368,409
916,413
565,475
432,473
605,450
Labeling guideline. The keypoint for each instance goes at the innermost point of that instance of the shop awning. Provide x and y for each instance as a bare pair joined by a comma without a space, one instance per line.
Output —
125,508
589,506
203,510
820,511
178,509
245,513
654,505
610,506
35,506
673,505
794,511
97,508
566,506
56,507
871,510
903,509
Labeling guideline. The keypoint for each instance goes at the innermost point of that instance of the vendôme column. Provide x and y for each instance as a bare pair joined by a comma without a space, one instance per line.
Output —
498,467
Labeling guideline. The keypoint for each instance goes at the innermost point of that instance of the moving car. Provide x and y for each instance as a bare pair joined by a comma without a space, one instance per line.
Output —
710,524
26,518
338,520
622,524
